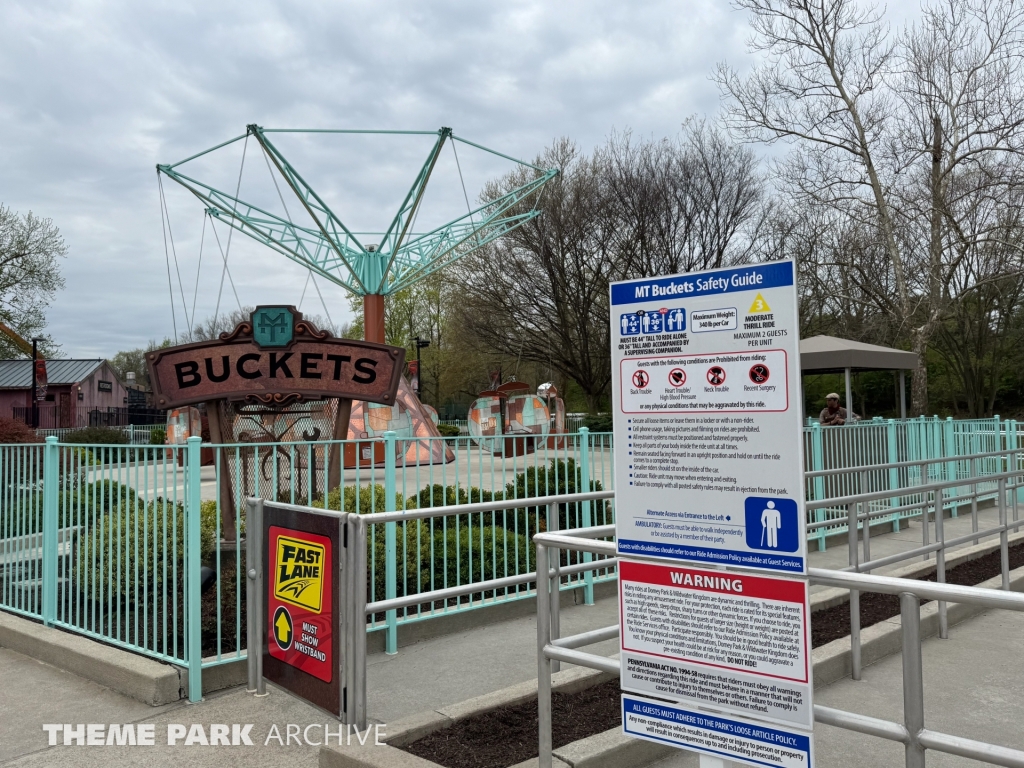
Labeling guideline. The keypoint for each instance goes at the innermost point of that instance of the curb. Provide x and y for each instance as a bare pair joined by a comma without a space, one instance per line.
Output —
137,677
833,661
828,598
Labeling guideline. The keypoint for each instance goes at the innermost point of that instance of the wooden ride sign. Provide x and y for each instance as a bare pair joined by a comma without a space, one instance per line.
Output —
275,359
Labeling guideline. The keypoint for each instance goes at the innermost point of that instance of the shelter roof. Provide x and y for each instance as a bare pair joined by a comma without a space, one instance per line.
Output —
828,354
17,374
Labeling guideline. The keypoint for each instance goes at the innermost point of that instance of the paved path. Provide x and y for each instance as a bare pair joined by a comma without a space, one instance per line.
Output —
974,682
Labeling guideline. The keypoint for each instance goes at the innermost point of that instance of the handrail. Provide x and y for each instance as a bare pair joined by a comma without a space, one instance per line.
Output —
452,510
913,463
840,501
911,732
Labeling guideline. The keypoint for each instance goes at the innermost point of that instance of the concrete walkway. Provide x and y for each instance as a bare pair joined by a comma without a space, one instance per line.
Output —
973,683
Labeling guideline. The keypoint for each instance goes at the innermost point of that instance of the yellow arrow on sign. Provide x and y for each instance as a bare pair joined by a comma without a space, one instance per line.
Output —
283,627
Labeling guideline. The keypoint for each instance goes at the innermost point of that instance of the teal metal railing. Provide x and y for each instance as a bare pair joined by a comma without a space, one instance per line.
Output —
109,541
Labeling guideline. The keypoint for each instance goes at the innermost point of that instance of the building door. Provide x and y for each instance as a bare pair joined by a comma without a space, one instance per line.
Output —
65,410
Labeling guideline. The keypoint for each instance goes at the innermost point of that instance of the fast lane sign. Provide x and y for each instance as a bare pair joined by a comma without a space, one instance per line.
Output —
302,599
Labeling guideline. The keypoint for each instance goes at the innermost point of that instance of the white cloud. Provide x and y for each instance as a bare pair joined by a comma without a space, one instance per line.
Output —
93,94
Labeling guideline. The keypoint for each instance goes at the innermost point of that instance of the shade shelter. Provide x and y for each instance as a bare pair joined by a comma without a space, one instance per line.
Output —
827,354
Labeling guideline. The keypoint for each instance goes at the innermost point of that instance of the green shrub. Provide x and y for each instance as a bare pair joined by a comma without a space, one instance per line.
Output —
449,430
447,552
157,436
598,422
137,550
559,477
363,499
96,436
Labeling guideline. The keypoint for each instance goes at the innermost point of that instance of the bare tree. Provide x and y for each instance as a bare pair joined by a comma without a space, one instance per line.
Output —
632,208
29,276
905,137
541,292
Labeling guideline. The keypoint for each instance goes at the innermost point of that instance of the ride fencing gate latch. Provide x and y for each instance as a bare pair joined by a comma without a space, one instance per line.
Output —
714,611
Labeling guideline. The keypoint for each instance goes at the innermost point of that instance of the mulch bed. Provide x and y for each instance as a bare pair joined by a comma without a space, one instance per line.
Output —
507,736
834,623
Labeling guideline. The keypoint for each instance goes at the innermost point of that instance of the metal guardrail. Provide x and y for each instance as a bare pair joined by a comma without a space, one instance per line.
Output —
912,733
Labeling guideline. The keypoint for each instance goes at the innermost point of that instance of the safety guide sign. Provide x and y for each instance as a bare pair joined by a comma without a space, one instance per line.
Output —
749,743
706,399
733,641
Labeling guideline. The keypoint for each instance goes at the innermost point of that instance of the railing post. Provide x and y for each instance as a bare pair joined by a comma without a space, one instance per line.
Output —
252,535
193,548
851,530
51,463
892,452
913,678
556,596
818,463
940,568
1004,552
390,544
588,579
543,662
951,466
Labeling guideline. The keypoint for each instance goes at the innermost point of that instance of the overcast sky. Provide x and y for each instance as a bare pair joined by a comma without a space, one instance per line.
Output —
94,94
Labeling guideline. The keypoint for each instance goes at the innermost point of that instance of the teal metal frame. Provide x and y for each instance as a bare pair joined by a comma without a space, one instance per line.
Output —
332,250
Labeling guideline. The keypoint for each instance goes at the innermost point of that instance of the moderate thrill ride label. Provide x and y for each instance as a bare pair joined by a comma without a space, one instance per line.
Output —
707,418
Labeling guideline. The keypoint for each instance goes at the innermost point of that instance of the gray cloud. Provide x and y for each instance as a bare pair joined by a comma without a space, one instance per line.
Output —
94,94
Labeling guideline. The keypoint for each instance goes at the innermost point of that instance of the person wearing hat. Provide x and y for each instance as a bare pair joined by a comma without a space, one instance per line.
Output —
833,414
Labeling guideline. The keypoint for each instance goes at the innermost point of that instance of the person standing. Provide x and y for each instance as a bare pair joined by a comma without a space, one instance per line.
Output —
833,414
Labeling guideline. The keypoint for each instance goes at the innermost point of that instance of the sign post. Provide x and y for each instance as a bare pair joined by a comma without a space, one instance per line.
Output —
709,509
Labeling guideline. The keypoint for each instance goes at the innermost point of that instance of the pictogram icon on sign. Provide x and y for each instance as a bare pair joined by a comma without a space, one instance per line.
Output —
716,375
641,378
677,377
283,628
759,373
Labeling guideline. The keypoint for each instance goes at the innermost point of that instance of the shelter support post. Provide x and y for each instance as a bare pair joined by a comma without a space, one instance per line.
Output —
903,394
849,396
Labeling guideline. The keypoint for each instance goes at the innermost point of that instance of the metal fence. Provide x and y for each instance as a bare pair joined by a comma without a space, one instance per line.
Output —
96,539
55,416
911,732
137,434
897,455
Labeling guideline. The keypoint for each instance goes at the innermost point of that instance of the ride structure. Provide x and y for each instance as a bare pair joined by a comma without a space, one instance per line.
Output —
328,247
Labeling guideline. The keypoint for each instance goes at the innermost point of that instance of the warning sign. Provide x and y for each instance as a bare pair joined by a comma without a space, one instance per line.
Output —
677,377
731,738
729,640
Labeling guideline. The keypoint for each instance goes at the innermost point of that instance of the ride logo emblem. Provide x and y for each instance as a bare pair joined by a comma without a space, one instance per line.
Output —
300,593
299,576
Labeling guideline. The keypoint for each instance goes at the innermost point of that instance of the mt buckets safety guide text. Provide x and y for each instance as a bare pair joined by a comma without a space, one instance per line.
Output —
707,416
